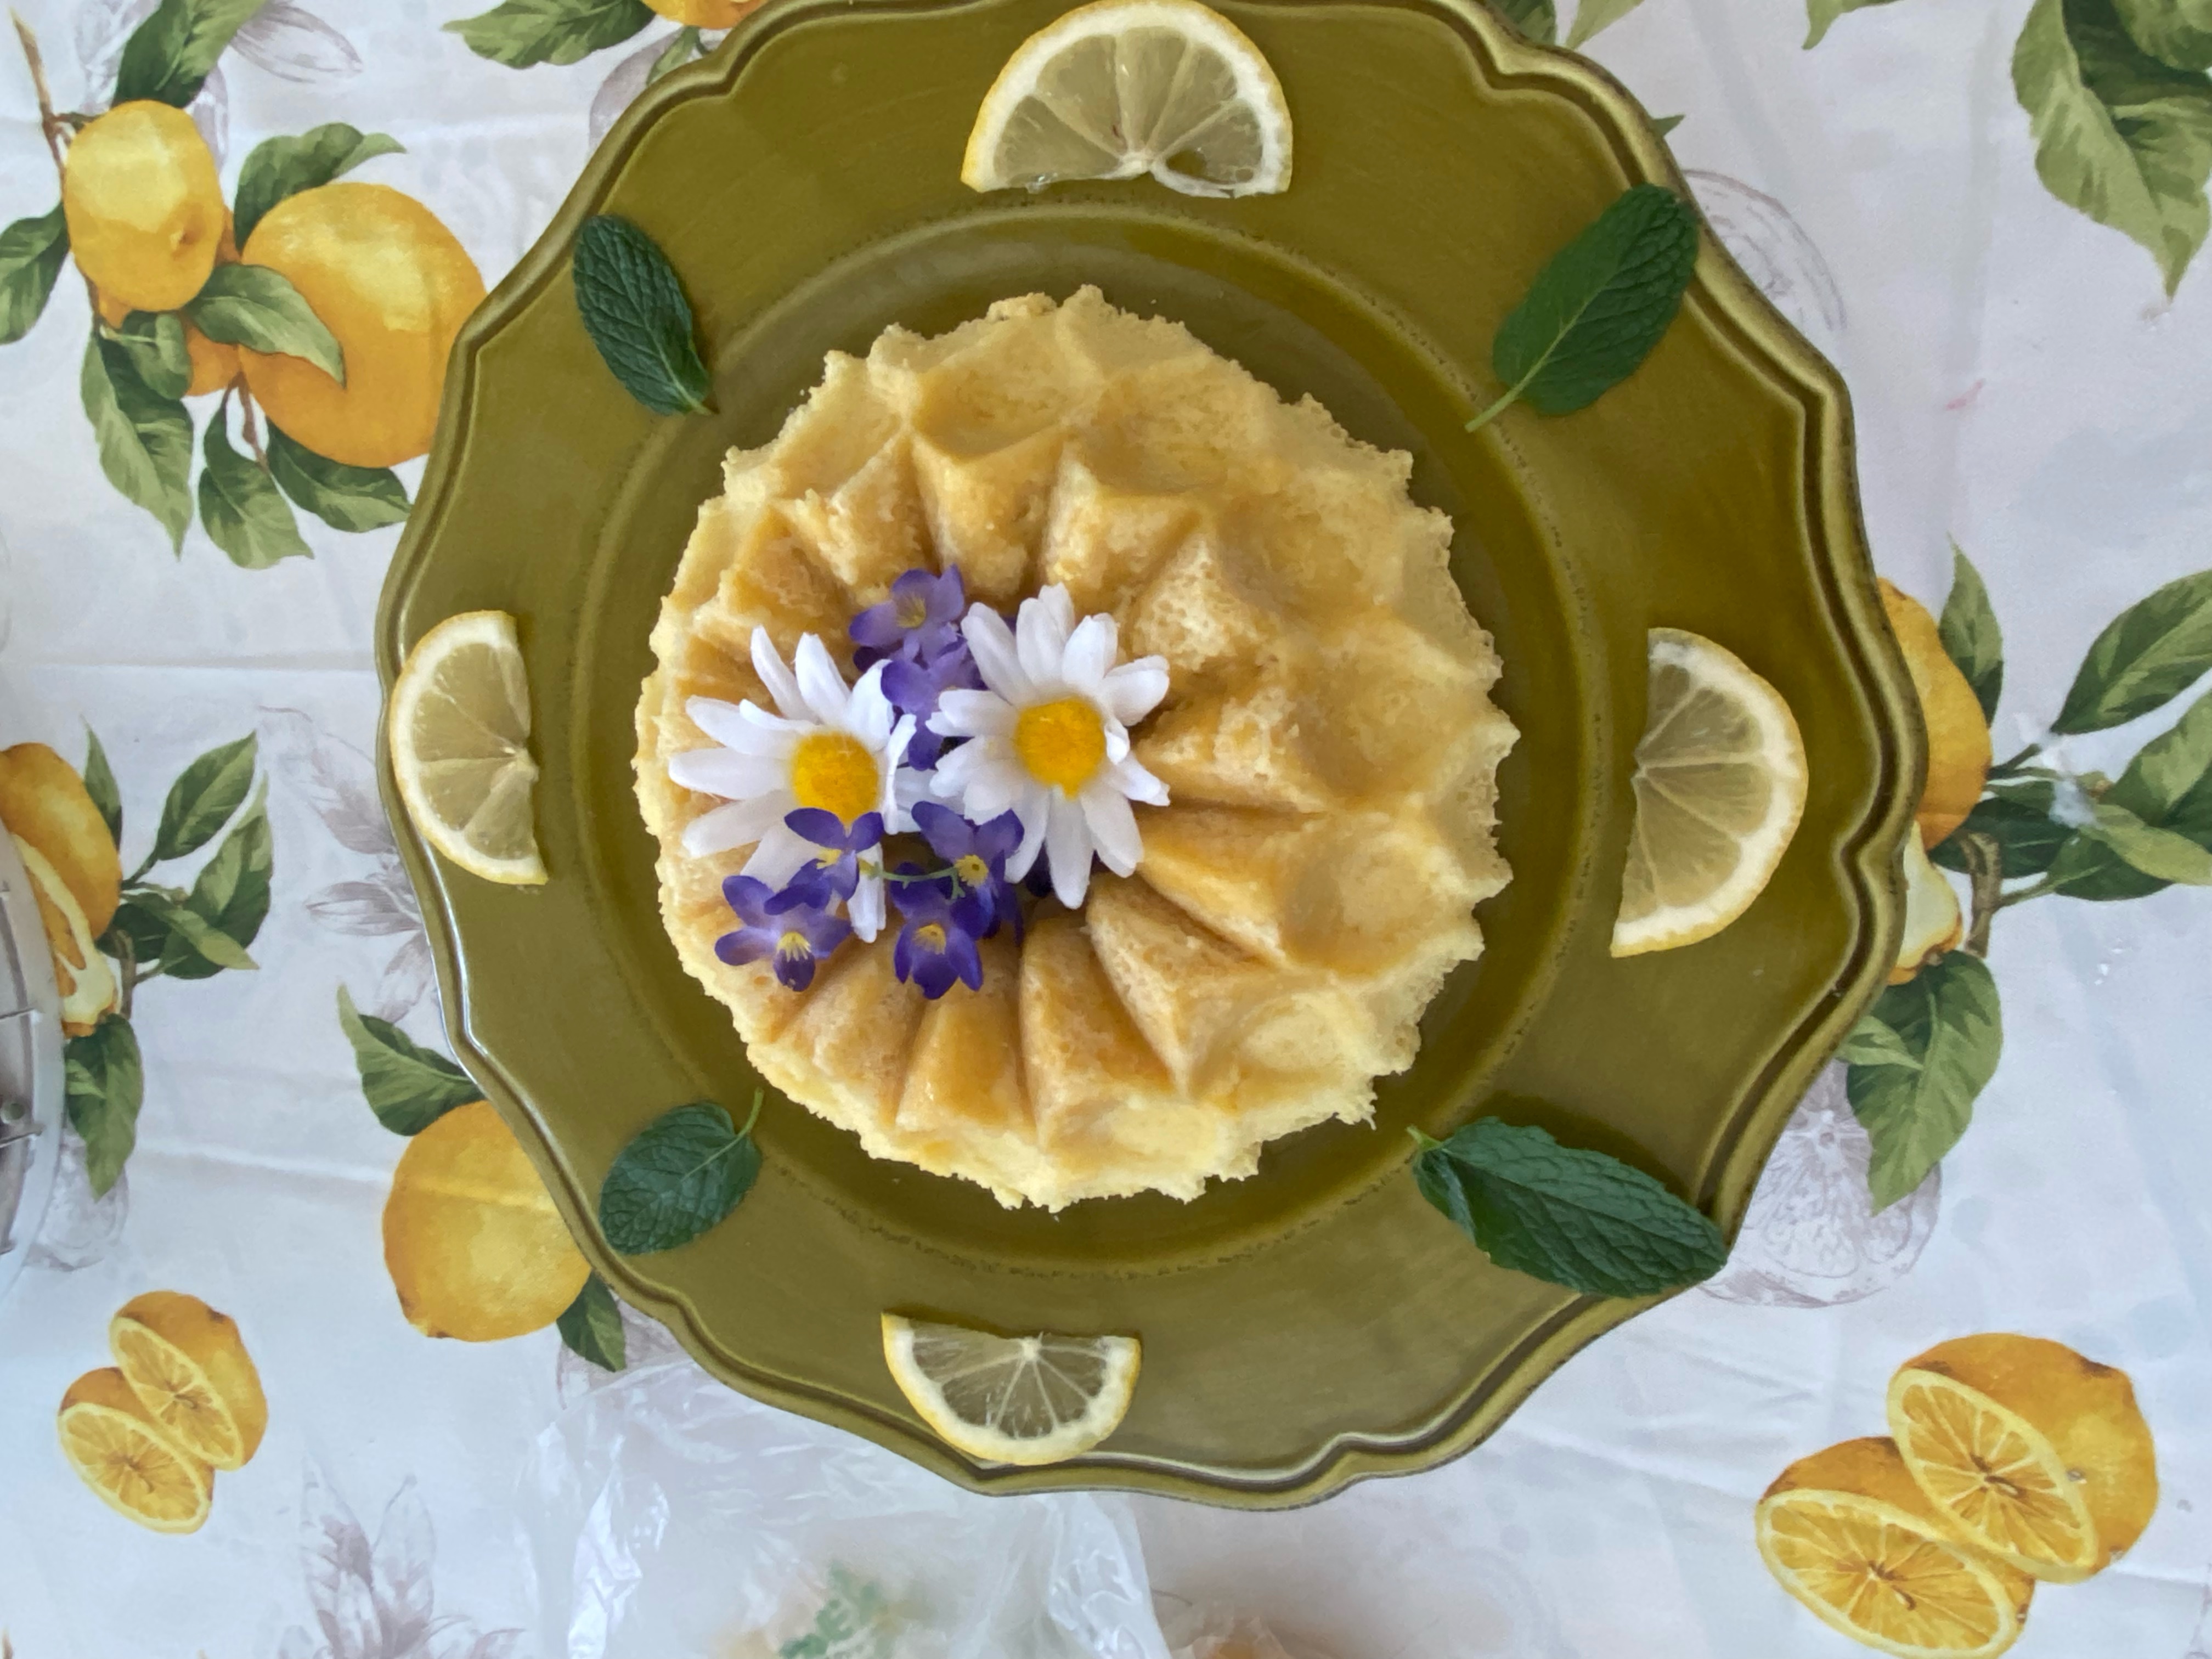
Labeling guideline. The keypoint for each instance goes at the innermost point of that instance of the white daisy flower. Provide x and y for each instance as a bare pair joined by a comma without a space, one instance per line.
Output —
1051,738
834,746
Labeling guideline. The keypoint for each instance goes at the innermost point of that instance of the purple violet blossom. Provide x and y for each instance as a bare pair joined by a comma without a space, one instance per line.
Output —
912,688
833,873
918,621
978,854
797,936
937,945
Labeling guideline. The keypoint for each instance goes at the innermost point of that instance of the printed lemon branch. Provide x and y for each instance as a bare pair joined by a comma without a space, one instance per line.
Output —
1986,869
48,123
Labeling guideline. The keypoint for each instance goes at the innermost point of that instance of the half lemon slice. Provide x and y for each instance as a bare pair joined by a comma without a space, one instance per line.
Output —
1719,787
119,1452
191,1373
1123,88
1011,1398
460,730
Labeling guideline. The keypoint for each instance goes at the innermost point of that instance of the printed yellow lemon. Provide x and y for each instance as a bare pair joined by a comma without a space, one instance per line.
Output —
190,1370
474,1246
459,732
2028,1449
1957,736
1847,1532
76,878
1024,1399
705,13
1719,786
1933,922
143,206
392,284
118,1451
1123,87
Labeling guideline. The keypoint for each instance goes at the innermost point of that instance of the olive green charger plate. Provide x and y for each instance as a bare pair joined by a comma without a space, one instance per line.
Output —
1317,1323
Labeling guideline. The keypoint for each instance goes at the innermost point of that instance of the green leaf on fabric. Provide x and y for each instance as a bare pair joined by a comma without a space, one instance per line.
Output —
520,32
1597,310
1663,125
1873,1043
1972,638
30,255
679,1177
348,498
243,511
1947,1018
1566,1215
2146,847
2178,33
100,784
683,47
279,167
1537,19
203,797
2017,817
141,924
154,341
634,311
145,440
2167,785
409,1087
592,1325
168,56
2119,135
230,895
1592,15
104,1083
1821,14
2153,651
257,307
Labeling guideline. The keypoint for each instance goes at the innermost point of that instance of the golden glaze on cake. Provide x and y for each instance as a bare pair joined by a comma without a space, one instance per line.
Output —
1327,742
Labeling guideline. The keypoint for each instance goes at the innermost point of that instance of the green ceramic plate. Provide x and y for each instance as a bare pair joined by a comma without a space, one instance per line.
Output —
1317,1323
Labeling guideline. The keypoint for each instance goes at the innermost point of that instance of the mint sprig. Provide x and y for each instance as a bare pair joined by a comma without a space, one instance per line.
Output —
1565,1214
679,1177
634,311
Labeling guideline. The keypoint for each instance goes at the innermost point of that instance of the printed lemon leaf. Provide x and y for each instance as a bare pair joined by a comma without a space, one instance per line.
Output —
679,1175
2154,650
2146,847
1663,125
141,925
168,56
1820,16
1597,310
1566,1215
243,511
2175,32
351,498
155,342
635,310
202,799
279,167
1947,1018
2168,785
30,255
100,784
409,1087
104,1084
2017,817
1537,19
230,897
520,32
254,306
145,440
1970,636
165,931
1873,1043
1591,15
592,1326
2119,135
681,49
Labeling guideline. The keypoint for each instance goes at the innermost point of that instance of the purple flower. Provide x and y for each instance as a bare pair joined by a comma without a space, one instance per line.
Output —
978,854
912,688
919,618
797,936
937,944
833,873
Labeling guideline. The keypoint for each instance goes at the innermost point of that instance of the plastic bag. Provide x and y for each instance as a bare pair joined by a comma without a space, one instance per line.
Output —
670,1514
1204,1632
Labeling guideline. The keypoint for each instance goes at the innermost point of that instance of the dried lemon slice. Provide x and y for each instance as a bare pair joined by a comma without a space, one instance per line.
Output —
1719,785
459,728
118,1451
191,1373
1123,88
1011,1398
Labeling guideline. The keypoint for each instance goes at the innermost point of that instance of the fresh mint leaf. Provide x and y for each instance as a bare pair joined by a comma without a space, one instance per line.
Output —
1970,636
280,167
104,1084
1565,1215
202,799
409,1087
169,56
100,784
1538,20
30,255
635,310
520,32
2017,817
592,1325
2145,846
1947,1018
230,897
1873,1043
145,440
350,498
2178,33
1595,313
154,341
243,511
682,1173
2151,652
1591,15
259,308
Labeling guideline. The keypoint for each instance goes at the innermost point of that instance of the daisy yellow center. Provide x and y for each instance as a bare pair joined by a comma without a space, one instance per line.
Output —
971,870
1061,743
835,771
931,937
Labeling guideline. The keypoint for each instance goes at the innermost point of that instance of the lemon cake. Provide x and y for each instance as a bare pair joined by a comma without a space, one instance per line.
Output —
1072,766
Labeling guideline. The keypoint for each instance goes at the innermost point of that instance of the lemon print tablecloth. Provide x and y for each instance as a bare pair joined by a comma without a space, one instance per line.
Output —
295,1358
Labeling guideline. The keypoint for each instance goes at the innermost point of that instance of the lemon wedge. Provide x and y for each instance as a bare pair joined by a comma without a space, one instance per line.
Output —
459,730
1123,88
1024,1399
1719,787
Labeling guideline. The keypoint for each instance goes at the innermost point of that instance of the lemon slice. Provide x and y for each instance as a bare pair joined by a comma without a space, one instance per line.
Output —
191,1373
1011,1398
1719,785
117,1450
459,727
1123,88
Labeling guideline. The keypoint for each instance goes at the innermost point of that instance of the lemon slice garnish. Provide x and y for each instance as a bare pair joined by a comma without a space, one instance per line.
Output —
1011,1398
117,1450
459,729
1719,787
1123,88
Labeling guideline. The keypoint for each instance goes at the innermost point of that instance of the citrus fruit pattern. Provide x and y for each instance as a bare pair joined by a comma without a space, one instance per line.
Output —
143,205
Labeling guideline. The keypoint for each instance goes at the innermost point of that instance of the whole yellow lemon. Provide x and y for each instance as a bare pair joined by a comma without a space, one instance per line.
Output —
473,1243
143,206
390,281
705,13
1957,736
